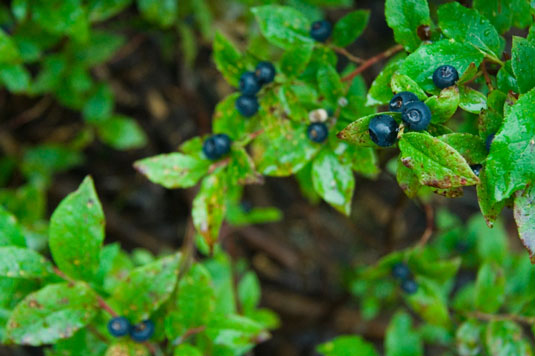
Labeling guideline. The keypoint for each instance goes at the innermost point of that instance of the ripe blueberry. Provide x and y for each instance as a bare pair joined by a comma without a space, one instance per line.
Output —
249,83
216,146
247,105
321,30
401,271
399,100
409,286
318,132
142,331
383,130
416,115
476,168
265,72
119,326
489,141
445,76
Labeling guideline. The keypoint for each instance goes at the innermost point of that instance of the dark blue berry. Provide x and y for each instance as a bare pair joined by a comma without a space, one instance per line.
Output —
119,326
416,116
445,76
489,141
383,130
321,30
216,146
247,105
249,84
318,132
409,286
399,100
265,72
401,271
476,168
142,331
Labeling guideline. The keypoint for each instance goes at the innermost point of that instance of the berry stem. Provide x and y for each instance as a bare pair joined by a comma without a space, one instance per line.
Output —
370,62
218,164
348,55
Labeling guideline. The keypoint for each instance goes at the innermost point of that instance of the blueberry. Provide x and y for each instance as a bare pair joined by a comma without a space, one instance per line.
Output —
247,105
142,331
383,130
265,72
216,146
409,286
416,115
445,76
119,326
318,132
249,84
399,100
489,141
401,271
321,30
476,168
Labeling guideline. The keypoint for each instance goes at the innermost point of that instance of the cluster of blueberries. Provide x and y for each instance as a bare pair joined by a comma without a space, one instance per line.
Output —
250,85
119,326
402,273
415,114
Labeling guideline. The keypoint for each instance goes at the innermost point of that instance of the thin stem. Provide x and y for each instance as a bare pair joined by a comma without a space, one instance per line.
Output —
486,75
189,333
502,317
430,225
348,55
370,62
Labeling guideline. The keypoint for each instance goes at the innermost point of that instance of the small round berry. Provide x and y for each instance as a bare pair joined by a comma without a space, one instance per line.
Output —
416,115
222,144
409,286
321,30
318,132
445,76
476,168
247,105
399,100
401,271
383,130
119,326
249,84
489,140
265,72
142,331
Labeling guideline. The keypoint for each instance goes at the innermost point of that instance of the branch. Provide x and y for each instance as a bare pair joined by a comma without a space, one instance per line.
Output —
348,55
430,221
370,62
487,77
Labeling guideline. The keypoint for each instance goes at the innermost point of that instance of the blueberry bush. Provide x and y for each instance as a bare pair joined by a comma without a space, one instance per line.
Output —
450,110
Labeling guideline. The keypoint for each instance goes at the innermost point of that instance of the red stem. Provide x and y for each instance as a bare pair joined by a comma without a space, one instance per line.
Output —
368,63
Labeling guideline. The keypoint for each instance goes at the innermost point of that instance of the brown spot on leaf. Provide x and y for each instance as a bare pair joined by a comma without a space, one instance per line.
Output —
424,32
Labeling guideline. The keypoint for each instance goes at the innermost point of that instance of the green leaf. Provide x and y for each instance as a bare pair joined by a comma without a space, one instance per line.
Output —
503,13
146,288
77,231
122,133
350,27
468,338
330,84
64,17
173,170
510,165
55,312
421,64
472,100
407,180
525,219
17,262
127,348
350,345
333,181
380,92
241,168
209,206
10,231
236,332
228,59
471,147
434,162
295,60
249,292
363,160
283,26
401,82
9,53
490,288
506,80
476,29
100,10
404,17
489,208
491,244
358,131
187,350
42,162
522,52
401,339
505,338
100,48
444,106
15,77
100,105
161,12
429,303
